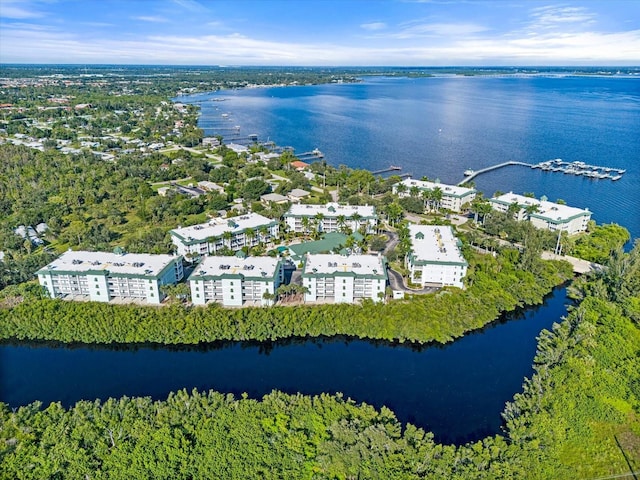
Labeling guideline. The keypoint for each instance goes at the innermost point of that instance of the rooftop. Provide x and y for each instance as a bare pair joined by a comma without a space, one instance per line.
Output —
128,263
433,243
217,226
332,210
326,264
261,267
546,209
446,189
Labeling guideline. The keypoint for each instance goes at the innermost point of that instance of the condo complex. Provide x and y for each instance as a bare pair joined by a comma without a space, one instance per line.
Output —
544,214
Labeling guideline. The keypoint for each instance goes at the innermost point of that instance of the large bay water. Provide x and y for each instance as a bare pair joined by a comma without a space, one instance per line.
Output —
441,126
457,390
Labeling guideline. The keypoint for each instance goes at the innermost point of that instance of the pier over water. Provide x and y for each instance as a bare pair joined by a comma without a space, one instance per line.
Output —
473,175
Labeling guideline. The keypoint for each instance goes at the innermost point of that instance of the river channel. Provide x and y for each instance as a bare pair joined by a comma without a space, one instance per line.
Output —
457,391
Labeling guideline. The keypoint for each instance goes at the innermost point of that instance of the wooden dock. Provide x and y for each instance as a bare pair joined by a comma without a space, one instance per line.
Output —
473,175
391,168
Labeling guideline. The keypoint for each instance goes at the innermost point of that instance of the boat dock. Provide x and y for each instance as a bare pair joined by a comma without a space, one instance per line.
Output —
392,168
581,169
471,174
310,155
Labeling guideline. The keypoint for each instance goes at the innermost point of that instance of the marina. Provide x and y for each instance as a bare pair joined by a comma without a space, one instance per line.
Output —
581,169
558,166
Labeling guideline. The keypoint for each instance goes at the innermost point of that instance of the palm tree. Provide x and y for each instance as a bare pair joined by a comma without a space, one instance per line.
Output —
436,196
414,192
264,233
341,221
531,209
249,236
319,218
305,221
355,218
426,198
227,236
484,208
401,188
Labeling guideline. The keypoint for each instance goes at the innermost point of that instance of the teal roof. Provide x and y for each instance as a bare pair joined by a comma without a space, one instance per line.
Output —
330,242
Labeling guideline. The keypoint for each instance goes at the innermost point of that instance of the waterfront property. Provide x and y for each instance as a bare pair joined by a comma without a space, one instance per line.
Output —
235,281
103,276
453,197
544,214
331,217
233,233
435,257
344,279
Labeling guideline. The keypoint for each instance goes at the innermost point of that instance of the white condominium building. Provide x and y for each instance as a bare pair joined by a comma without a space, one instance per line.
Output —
453,197
331,217
102,276
344,279
435,257
234,233
232,281
544,214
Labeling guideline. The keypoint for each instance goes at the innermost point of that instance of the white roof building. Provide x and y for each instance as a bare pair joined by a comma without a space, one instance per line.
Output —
234,281
331,217
208,238
544,214
453,197
237,148
435,257
102,276
344,279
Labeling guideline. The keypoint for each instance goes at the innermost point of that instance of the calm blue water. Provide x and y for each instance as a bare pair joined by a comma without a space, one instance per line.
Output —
457,390
441,126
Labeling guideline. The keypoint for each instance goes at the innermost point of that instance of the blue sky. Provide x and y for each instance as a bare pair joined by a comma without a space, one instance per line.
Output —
321,32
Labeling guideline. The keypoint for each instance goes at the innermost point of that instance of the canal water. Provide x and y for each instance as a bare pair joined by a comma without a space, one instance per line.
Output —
457,391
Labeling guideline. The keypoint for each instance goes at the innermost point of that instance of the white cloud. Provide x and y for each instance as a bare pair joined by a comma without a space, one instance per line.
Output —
151,18
374,26
19,9
551,17
28,43
414,30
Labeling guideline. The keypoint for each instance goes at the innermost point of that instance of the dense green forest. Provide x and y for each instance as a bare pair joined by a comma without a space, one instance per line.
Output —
496,285
577,417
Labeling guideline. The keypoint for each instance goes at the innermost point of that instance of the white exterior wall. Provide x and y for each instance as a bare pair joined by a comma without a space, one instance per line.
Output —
329,224
453,197
343,289
233,292
446,275
573,226
237,242
105,285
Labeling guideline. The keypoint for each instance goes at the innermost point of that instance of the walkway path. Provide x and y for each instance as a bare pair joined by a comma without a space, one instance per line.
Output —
579,266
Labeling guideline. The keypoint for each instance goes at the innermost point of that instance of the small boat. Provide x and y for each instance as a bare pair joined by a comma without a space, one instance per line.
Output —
617,177
468,172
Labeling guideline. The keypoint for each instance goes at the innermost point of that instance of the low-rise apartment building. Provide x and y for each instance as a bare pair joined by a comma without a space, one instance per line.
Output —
344,279
234,281
453,197
435,257
331,217
234,233
103,276
544,214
